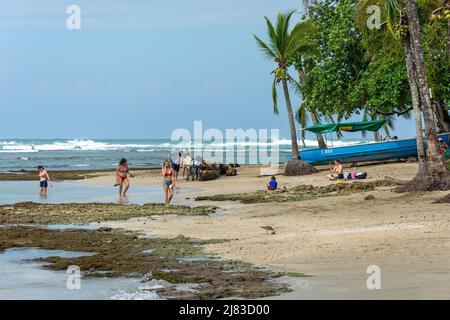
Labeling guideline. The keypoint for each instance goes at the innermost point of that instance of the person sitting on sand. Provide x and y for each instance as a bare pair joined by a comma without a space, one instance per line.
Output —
122,177
44,179
168,182
273,184
336,171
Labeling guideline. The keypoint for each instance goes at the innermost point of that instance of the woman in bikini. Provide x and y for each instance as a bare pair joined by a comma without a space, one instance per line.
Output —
122,177
168,182
44,179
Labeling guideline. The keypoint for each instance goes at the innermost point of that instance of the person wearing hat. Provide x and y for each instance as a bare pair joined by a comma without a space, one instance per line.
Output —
443,146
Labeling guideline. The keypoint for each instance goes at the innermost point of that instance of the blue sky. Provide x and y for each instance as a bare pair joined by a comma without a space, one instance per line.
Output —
137,68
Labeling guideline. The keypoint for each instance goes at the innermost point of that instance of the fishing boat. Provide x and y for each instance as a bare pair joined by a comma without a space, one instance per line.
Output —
361,152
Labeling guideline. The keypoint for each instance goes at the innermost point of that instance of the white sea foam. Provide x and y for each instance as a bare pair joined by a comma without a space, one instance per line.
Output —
92,145
136,295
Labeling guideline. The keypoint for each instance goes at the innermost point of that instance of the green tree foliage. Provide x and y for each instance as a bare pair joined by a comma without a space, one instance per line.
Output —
437,60
338,61
353,68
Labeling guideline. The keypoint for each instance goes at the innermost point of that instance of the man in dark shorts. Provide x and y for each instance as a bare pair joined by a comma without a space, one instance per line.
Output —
337,171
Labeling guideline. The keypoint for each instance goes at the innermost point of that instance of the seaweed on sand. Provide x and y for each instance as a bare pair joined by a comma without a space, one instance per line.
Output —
299,193
75,213
120,253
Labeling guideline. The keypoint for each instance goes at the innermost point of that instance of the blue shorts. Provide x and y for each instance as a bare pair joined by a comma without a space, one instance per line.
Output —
167,183
43,184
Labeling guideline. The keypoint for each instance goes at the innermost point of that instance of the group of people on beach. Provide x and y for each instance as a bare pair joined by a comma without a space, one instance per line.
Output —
168,172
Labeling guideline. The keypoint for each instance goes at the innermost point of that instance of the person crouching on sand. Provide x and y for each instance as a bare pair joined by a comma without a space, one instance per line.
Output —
337,171
122,177
168,182
44,180
273,184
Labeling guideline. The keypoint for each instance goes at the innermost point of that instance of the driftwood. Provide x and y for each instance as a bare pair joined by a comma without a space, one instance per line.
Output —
230,171
211,171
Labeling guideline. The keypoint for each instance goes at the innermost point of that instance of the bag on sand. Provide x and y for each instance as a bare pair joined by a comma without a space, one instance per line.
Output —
361,175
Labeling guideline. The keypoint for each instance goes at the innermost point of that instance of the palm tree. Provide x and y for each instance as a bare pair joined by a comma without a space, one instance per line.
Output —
388,125
281,47
432,173
434,159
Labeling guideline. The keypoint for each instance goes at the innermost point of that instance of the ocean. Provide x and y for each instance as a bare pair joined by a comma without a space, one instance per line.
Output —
86,154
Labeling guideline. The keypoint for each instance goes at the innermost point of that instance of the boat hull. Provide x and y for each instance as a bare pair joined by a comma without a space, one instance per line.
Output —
377,151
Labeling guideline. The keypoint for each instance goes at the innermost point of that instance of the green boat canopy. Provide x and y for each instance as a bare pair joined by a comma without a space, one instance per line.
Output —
373,125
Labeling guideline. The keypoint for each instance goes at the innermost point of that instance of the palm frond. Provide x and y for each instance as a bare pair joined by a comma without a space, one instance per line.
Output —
393,10
284,29
273,37
298,40
295,85
265,49
274,96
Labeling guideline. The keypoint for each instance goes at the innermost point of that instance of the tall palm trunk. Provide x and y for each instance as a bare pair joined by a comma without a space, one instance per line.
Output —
376,137
320,139
412,76
434,159
295,154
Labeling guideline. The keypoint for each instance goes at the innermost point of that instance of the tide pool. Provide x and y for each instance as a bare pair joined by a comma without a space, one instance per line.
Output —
12,192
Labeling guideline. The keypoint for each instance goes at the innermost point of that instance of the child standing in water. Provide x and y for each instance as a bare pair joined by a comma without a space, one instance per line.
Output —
44,179
122,177
168,182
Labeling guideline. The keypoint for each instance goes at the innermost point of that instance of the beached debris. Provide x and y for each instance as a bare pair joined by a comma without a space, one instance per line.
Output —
206,175
76,213
211,171
120,253
269,229
230,171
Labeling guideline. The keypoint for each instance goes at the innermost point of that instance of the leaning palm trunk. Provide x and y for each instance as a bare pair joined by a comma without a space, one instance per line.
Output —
320,139
437,176
412,76
376,137
295,153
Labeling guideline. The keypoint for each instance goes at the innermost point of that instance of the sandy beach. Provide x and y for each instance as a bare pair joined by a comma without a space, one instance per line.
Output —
333,239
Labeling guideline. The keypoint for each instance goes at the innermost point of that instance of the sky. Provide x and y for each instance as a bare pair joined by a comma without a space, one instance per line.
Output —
137,68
